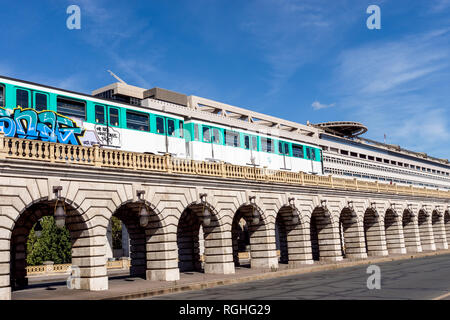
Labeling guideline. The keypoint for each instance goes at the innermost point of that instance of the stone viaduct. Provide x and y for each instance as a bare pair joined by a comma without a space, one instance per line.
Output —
316,217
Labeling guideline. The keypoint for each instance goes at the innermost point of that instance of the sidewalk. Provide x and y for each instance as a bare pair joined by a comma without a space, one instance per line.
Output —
123,287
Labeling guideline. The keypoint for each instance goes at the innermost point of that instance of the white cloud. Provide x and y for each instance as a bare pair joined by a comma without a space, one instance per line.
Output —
317,105
399,88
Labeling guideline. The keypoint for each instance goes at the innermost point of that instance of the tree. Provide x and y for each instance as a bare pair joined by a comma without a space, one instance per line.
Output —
116,229
53,245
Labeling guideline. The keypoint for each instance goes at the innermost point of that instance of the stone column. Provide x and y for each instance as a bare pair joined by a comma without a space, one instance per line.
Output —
218,253
5,288
162,253
440,238
412,236
375,236
354,240
299,245
426,232
263,251
329,242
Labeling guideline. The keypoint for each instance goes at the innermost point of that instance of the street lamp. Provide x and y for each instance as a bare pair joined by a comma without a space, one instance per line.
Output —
38,228
143,212
295,213
206,214
60,212
255,214
326,212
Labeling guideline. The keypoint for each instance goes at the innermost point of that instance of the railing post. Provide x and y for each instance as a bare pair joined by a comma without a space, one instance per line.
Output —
97,160
356,183
134,161
223,169
168,161
378,186
302,178
331,181
3,148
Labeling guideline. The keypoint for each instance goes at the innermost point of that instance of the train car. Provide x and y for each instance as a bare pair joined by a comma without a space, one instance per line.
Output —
211,142
39,112
34,111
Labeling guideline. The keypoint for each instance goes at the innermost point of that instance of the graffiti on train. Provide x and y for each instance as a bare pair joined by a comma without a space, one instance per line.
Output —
44,125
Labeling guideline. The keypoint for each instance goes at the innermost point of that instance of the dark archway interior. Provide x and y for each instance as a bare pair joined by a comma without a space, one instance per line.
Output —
319,223
188,242
346,222
128,214
240,235
281,239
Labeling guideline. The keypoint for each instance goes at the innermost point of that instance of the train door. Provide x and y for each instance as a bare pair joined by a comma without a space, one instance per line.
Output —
251,144
208,150
283,150
172,140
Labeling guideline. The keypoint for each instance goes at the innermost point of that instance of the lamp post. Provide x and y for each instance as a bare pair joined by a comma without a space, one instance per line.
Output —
60,212
255,213
295,213
373,205
323,205
143,212
206,214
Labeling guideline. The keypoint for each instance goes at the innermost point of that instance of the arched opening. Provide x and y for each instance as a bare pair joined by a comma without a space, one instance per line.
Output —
437,222
40,251
349,234
256,237
324,241
128,215
393,233
241,242
372,233
188,242
425,231
410,232
281,241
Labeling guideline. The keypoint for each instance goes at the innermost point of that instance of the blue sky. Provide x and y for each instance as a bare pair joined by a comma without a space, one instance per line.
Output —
299,60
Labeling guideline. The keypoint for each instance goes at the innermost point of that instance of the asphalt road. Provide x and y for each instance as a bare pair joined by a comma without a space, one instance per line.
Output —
422,278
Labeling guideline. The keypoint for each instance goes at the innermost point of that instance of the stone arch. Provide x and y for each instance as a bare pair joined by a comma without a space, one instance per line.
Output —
201,241
411,231
143,247
393,232
261,244
374,238
425,230
437,222
324,235
292,237
350,235
80,227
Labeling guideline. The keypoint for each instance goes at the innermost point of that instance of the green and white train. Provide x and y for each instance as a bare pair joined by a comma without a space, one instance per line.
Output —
34,111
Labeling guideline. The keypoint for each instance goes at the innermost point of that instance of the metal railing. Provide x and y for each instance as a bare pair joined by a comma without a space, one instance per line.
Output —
14,148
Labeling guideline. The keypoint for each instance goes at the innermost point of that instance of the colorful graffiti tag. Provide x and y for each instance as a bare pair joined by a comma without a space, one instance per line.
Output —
43,125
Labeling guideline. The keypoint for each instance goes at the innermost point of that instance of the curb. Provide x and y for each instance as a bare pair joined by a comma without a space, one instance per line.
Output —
271,275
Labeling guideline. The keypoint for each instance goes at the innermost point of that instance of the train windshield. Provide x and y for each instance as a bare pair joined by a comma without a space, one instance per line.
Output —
170,127
41,101
22,98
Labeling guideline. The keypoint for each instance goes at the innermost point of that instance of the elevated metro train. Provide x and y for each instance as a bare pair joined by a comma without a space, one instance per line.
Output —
33,111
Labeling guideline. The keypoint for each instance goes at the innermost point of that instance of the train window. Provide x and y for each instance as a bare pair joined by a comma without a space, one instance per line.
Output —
254,143
216,136
297,151
170,127
2,96
196,135
231,138
247,142
137,120
71,108
181,129
160,125
206,134
114,117
310,153
22,99
266,144
99,114
40,101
